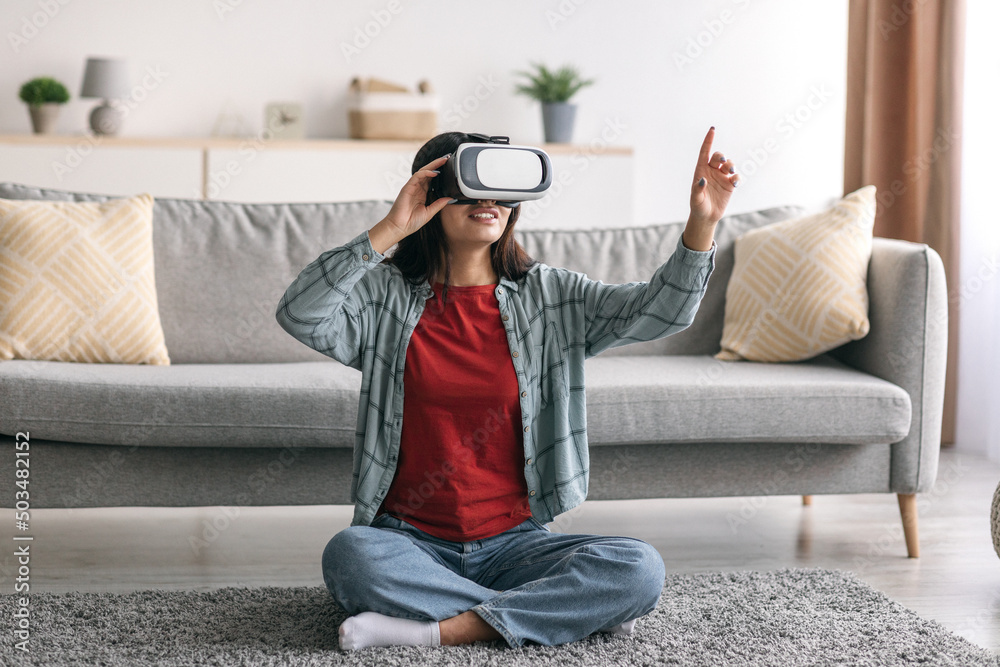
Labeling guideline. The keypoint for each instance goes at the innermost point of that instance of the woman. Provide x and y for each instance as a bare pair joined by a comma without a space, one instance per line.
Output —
471,431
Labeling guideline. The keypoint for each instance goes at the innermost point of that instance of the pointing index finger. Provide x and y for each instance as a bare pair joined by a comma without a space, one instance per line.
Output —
706,146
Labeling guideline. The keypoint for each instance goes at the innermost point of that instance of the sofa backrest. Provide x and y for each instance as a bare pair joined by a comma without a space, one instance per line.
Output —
221,268
634,253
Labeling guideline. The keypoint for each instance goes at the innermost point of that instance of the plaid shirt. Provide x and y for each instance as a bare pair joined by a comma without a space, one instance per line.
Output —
348,306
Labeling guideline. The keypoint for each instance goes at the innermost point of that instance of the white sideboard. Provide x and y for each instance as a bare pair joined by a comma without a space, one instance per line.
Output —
593,185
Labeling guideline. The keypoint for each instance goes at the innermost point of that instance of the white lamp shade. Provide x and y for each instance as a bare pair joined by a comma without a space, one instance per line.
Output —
105,78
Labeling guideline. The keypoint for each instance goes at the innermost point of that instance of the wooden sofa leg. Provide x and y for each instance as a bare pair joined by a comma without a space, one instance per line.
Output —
908,512
807,500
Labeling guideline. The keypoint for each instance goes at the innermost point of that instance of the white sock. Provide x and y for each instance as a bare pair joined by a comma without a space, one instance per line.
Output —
622,628
372,629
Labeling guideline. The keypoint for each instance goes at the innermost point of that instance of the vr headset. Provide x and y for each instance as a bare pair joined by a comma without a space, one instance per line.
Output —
494,170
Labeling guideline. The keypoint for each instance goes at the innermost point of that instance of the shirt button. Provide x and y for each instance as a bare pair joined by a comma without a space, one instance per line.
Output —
365,257
523,394
515,353
526,428
505,318
531,493
499,290
528,462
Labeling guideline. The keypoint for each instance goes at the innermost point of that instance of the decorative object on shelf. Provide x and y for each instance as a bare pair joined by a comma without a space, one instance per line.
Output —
44,96
383,110
230,123
554,90
106,79
284,120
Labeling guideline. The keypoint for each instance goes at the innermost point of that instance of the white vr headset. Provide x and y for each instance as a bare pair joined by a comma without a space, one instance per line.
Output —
494,170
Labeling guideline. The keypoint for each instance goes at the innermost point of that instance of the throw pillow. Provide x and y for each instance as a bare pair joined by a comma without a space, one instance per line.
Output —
799,287
77,282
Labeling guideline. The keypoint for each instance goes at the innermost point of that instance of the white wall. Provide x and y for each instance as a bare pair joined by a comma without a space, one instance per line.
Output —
770,75
978,419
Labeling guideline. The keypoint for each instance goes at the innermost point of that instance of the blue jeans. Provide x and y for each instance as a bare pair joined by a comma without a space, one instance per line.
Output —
528,583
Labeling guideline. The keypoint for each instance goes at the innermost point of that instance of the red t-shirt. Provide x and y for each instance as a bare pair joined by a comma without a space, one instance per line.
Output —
460,474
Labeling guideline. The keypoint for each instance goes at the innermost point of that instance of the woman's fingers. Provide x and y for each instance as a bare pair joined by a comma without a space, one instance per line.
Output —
435,207
434,164
706,147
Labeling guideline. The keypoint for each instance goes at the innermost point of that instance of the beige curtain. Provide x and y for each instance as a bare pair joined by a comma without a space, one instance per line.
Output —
904,123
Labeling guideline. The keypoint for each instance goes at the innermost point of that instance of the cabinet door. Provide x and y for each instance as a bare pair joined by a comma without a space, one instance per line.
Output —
86,166
272,174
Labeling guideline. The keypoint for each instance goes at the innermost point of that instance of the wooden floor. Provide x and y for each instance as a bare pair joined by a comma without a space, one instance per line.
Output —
956,581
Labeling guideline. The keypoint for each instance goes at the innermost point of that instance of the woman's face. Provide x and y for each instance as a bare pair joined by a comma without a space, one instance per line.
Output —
481,223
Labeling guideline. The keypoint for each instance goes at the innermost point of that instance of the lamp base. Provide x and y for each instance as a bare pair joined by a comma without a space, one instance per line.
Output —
106,119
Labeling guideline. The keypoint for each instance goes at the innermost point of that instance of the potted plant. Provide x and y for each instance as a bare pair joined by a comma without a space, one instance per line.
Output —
44,95
554,90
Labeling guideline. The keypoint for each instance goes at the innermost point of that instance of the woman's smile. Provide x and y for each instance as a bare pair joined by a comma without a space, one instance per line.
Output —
485,215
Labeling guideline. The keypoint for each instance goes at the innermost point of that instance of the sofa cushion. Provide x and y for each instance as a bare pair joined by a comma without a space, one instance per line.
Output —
798,287
637,400
222,405
632,254
222,267
77,282
699,399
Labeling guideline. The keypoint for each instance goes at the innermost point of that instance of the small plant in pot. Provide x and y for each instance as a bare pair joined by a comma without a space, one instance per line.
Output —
44,95
554,88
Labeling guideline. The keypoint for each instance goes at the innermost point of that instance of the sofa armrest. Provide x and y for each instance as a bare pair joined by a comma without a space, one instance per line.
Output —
907,345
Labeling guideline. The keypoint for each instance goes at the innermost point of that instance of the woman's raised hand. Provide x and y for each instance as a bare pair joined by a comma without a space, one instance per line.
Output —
715,178
409,212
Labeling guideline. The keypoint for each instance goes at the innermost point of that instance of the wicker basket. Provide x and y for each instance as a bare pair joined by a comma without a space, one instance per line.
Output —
392,115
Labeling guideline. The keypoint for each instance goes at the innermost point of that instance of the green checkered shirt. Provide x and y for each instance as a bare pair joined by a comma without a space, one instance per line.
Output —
349,306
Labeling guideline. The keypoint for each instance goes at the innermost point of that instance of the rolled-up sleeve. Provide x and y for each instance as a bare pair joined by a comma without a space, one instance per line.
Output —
328,304
633,312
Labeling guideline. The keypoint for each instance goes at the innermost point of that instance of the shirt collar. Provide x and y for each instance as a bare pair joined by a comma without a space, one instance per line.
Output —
424,289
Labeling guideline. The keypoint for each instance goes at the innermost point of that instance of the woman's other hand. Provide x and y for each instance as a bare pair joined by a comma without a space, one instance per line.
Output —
715,178
409,212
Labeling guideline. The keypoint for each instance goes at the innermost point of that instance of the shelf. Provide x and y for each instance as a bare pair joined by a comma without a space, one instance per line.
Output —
285,144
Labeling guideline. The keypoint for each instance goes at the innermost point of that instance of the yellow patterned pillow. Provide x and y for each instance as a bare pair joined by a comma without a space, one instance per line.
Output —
76,282
799,288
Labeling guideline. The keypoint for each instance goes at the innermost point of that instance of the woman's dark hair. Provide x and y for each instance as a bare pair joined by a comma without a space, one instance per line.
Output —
419,256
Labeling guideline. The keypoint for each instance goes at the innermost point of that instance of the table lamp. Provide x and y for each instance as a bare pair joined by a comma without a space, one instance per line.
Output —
107,79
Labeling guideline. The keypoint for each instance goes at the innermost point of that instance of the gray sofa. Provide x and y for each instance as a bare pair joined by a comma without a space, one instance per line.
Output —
246,415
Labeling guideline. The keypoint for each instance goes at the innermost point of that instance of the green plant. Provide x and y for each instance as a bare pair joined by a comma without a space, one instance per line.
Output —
44,89
547,86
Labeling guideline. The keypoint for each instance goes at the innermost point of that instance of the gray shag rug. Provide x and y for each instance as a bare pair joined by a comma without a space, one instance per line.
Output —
785,617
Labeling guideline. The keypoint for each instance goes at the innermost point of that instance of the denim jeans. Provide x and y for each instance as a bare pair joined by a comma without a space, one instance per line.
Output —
528,583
